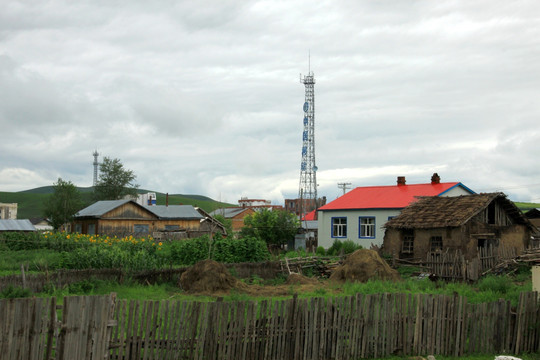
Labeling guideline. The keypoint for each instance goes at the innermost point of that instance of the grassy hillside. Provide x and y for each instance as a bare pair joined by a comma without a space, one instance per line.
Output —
31,202
526,206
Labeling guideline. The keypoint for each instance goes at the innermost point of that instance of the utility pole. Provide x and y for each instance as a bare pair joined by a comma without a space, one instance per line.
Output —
344,187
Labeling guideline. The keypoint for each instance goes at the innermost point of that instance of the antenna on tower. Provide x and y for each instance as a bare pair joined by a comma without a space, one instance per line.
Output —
344,187
96,154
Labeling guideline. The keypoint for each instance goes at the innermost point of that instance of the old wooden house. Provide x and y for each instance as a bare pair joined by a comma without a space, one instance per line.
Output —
235,214
126,217
464,223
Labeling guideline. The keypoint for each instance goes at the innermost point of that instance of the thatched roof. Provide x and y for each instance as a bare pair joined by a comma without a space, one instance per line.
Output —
439,212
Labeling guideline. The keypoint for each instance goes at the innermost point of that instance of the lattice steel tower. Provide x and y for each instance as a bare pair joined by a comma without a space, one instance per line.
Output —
96,154
308,169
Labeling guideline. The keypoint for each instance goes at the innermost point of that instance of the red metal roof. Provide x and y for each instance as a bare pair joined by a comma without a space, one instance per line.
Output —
309,216
388,197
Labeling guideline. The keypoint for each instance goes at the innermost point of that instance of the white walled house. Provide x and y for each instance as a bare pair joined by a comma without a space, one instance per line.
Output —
360,214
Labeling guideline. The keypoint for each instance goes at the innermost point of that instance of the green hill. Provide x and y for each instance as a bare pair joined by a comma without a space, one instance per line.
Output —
31,202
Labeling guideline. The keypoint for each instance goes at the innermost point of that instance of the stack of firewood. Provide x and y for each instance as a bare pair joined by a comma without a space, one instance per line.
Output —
530,255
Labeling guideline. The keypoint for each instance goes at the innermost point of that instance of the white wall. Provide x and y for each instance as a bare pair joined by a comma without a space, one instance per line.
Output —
536,278
456,191
353,231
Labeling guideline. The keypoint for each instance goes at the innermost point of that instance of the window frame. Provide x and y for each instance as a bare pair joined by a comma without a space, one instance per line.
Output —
136,226
432,240
336,226
367,226
407,245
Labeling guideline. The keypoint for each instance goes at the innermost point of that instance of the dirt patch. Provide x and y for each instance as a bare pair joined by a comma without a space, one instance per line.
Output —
209,277
363,265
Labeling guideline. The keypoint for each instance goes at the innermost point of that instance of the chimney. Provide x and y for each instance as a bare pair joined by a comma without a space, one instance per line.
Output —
401,180
435,178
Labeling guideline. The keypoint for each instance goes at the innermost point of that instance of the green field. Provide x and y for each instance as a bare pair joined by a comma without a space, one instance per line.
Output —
31,202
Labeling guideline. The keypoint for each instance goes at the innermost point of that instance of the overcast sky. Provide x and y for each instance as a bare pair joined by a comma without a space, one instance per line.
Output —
204,97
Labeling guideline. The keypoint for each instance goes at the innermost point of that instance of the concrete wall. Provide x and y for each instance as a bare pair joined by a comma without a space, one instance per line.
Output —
8,211
353,231
536,278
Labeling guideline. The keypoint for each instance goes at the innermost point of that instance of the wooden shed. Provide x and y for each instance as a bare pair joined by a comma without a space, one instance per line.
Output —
464,223
126,217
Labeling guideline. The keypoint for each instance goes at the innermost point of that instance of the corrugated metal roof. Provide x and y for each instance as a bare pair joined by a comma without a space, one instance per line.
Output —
174,211
228,213
309,224
16,225
99,208
388,197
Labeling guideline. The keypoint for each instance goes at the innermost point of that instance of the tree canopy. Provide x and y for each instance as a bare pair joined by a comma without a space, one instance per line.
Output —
114,181
275,227
63,203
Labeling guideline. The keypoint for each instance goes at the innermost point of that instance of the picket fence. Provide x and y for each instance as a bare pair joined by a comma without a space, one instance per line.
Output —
362,326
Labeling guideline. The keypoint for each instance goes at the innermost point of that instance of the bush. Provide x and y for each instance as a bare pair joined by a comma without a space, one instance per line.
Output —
350,246
335,249
189,252
247,249
320,251
343,247
13,292
226,250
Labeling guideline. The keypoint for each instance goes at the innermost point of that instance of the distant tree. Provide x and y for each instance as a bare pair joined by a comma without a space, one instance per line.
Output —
114,182
63,203
275,227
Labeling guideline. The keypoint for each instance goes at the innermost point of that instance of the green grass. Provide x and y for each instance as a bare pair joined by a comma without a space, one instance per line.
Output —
523,206
487,290
34,260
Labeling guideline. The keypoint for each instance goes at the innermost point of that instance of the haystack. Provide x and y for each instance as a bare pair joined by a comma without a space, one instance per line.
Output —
208,276
363,265
297,279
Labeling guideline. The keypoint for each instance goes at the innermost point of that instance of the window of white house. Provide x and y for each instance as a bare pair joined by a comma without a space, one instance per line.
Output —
435,243
141,229
339,227
367,227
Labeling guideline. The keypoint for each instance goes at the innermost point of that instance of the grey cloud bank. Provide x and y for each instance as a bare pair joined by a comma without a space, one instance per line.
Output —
204,97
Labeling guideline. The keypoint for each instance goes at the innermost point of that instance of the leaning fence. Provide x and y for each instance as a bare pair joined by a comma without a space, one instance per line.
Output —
362,326
452,265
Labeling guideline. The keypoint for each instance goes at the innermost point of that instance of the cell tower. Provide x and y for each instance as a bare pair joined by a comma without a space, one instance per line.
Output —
308,169
96,154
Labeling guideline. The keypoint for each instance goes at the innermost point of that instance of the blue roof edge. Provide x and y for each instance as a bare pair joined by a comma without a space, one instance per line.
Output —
460,185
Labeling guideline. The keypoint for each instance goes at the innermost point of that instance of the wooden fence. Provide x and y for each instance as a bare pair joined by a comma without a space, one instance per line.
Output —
452,265
362,326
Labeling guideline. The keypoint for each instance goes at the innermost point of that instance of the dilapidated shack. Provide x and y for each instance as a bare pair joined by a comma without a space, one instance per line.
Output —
464,223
